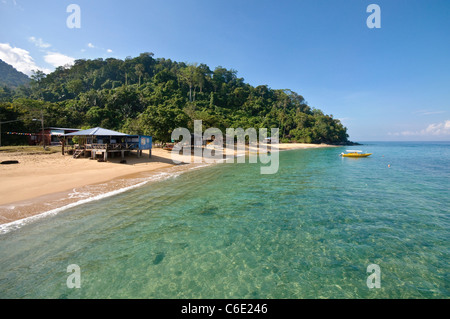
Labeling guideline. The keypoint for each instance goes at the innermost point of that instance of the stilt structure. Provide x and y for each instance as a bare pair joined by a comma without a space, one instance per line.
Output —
106,142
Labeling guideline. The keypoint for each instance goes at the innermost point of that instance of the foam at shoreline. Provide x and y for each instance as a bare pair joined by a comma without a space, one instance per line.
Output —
97,192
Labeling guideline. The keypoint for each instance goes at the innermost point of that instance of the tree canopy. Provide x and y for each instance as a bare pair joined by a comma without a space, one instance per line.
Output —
144,95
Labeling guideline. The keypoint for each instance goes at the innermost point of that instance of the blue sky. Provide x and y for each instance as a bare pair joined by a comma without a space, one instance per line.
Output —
391,83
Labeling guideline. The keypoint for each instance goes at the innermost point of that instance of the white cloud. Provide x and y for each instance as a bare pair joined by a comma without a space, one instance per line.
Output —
427,112
19,59
39,43
22,61
58,59
436,129
90,45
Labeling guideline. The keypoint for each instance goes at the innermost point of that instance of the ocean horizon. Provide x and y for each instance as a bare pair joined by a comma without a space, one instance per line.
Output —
225,231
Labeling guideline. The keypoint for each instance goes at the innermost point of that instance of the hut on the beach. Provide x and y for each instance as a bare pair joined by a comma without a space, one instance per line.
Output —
99,141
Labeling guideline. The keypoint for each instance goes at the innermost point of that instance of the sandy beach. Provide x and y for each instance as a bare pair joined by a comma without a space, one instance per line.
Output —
27,188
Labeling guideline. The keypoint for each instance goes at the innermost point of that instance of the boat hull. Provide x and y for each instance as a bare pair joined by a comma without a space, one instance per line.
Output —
356,155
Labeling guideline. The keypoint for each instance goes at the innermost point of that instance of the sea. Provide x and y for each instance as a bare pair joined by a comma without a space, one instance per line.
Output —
323,226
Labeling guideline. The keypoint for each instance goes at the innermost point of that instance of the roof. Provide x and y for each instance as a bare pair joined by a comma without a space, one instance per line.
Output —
63,128
59,129
96,131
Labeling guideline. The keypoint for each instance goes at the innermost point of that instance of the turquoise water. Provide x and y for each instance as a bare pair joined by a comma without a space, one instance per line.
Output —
226,231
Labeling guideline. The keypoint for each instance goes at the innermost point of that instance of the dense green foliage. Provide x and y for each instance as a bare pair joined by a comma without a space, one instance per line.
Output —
143,95
9,76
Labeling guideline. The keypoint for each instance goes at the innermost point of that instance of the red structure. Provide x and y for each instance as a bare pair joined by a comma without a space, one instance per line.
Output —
51,135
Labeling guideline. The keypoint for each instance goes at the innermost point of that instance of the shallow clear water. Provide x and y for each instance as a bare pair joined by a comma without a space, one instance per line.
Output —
226,231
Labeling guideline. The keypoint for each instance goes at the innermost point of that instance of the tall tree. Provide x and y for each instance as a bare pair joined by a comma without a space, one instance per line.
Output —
36,83
189,75
140,69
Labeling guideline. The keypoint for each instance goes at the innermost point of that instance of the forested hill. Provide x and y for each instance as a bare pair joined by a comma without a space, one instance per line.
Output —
144,95
9,76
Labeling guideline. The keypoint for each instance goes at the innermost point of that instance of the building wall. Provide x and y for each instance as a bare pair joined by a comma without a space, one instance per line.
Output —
36,138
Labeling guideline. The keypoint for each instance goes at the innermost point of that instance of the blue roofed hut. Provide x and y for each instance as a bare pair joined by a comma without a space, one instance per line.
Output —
101,141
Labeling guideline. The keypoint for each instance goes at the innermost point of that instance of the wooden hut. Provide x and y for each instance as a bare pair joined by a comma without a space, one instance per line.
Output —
99,141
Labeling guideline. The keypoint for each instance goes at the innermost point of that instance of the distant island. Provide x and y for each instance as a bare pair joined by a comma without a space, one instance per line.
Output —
144,95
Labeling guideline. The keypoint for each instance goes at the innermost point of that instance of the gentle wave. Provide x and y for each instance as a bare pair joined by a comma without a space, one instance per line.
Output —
76,194
17,224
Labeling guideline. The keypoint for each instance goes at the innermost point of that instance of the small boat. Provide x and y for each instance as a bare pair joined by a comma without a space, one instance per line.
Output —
355,153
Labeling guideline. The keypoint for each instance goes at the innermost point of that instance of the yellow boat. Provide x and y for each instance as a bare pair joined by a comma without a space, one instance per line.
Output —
354,153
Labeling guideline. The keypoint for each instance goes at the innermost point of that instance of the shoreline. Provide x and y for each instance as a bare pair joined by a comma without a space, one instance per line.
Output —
44,184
